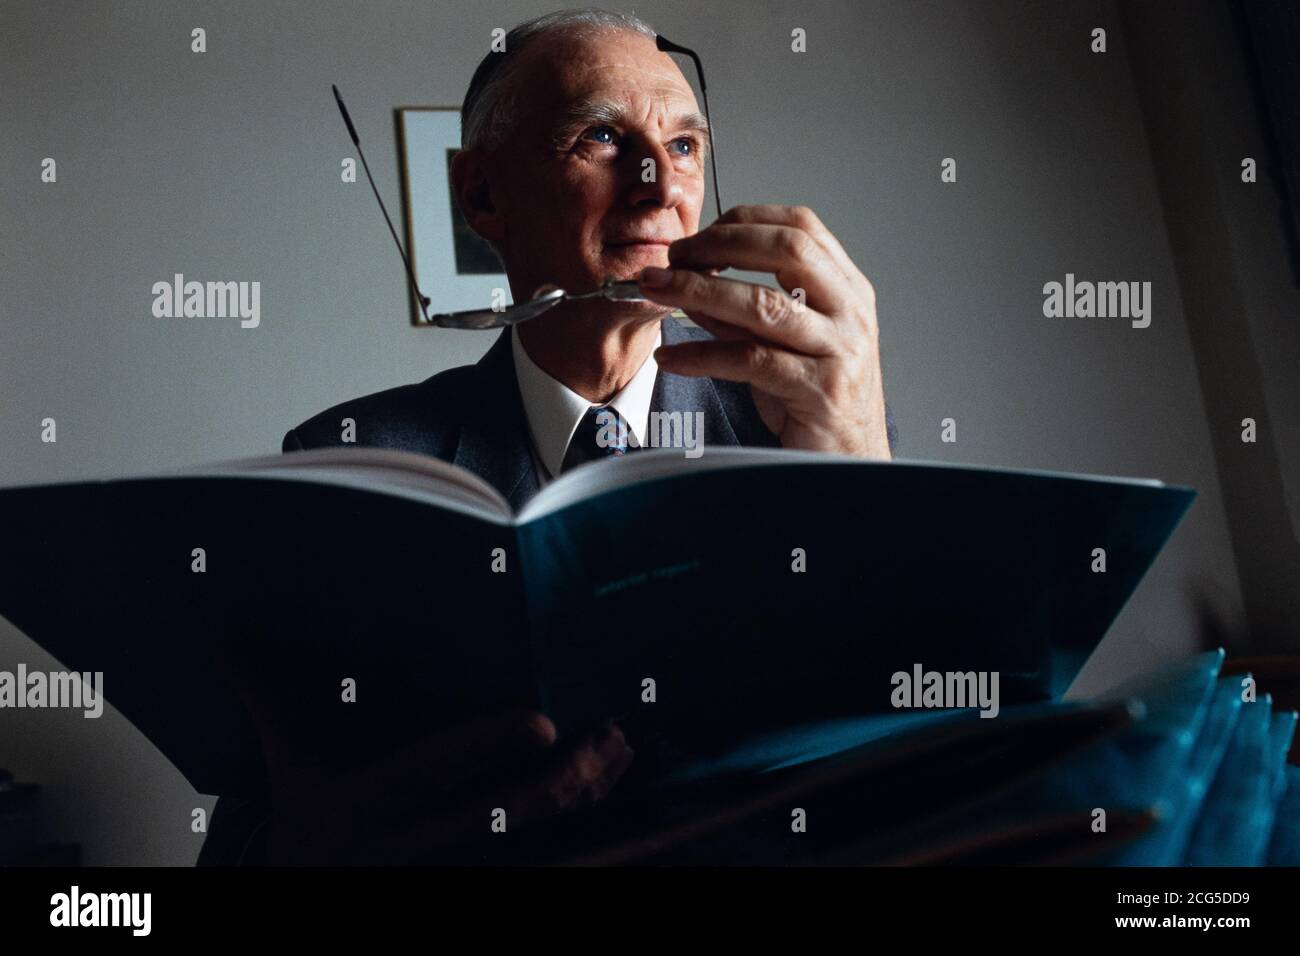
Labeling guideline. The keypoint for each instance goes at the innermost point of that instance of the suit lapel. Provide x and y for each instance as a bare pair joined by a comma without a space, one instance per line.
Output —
494,442
687,393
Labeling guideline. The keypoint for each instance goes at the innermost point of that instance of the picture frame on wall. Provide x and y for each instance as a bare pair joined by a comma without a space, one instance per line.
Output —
453,266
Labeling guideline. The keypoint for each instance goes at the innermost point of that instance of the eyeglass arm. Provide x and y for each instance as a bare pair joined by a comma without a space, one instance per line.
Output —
668,46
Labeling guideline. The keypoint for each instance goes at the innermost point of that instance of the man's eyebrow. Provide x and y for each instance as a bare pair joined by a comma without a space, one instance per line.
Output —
692,121
582,112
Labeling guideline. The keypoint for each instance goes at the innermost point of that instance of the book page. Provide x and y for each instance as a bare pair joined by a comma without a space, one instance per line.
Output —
595,478
379,469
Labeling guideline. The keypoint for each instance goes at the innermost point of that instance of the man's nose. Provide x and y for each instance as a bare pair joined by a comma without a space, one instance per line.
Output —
654,180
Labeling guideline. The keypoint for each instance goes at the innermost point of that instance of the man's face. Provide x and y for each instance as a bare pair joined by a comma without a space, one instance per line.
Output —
569,185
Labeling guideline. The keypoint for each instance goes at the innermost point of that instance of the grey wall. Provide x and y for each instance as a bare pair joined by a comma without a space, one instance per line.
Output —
226,166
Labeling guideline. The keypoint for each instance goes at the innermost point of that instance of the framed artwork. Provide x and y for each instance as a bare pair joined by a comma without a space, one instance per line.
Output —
453,266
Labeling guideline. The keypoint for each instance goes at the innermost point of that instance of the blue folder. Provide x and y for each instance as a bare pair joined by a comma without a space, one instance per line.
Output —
1284,845
1236,819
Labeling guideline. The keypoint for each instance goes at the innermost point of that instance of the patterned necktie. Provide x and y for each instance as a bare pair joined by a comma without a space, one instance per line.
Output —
602,433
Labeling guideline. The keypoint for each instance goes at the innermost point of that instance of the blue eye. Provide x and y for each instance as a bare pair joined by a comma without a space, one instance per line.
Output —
602,130
688,143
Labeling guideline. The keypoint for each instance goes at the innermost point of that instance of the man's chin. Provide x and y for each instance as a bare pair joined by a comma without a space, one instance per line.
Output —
627,262
635,311
630,315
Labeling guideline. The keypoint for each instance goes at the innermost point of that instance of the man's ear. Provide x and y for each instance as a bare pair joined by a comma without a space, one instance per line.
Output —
471,182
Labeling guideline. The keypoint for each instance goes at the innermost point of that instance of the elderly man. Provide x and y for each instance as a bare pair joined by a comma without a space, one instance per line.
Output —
584,159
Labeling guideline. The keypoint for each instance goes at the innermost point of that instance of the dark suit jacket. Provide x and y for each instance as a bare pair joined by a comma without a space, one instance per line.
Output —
473,417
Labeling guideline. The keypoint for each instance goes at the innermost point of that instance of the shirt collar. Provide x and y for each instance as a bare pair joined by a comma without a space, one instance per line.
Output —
554,410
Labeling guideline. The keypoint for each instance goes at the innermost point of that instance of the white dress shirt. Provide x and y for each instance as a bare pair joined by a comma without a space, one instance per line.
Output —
554,410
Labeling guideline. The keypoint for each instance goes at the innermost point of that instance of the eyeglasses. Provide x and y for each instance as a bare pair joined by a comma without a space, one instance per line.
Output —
668,46
547,296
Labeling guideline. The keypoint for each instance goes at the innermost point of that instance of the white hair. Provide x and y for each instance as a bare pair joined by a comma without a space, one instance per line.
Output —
487,116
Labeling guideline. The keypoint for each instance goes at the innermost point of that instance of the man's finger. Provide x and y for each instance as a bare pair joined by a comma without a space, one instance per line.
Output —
568,783
794,257
613,771
799,217
764,312
784,374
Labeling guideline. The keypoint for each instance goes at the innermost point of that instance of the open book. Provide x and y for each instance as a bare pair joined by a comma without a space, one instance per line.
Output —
700,600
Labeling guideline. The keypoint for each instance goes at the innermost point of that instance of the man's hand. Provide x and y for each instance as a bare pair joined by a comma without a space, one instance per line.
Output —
438,793
421,802
813,366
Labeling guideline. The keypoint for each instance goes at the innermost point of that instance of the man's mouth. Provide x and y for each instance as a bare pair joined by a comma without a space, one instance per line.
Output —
635,253
638,242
